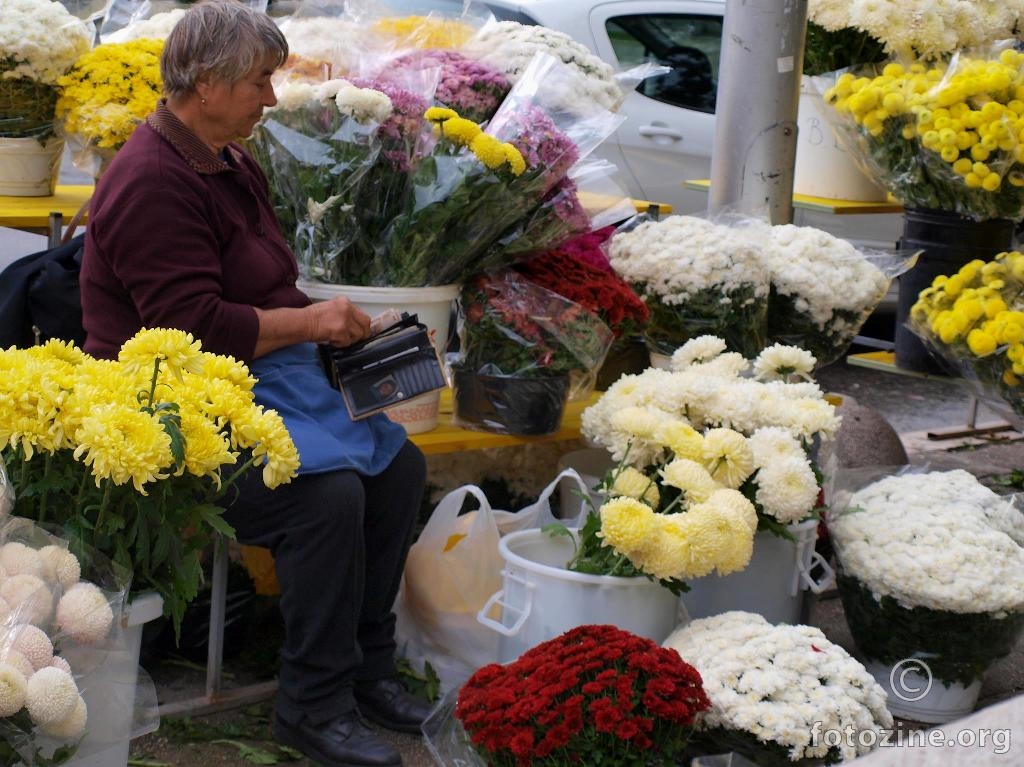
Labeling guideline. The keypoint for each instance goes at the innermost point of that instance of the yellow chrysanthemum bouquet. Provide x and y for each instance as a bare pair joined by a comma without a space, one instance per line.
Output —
975,320
108,92
134,457
943,136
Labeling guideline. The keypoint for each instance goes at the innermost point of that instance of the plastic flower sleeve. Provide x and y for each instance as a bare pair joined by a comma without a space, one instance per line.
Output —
823,288
424,27
136,19
445,736
940,136
514,327
6,492
972,322
316,157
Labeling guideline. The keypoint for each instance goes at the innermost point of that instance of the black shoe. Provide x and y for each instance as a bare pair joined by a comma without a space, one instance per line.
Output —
346,741
387,703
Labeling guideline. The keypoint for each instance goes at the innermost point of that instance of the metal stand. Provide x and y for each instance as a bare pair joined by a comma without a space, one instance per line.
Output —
216,699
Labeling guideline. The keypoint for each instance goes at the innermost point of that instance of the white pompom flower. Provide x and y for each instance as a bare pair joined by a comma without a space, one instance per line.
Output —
71,727
20,662
60,566
17,559
34,644
29,598
61,663
12,690
84,614
51,696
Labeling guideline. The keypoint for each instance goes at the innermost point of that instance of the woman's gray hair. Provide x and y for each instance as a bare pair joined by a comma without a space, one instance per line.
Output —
219,39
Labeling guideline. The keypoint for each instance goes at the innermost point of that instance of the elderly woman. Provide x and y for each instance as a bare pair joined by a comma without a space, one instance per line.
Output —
182,235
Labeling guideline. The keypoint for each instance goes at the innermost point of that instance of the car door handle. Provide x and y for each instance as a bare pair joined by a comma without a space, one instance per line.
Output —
657,131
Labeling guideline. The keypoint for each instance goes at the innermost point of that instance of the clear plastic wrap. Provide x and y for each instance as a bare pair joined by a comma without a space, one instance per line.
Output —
99,107
822,288
930,568
973,321
61,621
939,136
127,20
515,328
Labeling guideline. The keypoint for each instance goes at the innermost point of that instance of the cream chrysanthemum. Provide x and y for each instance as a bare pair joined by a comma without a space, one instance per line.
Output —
633,483
728,457
785,363
84,614
16,558
682,439
60,566
628,526
734,502
50,696
691,477
787,489
697,350
637,421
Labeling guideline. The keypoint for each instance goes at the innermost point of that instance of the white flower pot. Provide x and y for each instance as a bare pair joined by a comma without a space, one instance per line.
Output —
772,585
913,694
119,696
28,168
432,304
824,168
540,599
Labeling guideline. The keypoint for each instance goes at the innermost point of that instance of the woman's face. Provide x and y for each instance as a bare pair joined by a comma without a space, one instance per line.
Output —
237,108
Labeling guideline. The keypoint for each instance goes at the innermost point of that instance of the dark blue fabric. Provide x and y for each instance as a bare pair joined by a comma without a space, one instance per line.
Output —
292,382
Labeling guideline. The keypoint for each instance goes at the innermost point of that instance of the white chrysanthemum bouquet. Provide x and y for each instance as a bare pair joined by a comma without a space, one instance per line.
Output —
56,623
697,277
39,41
776,689
822,288
932,566
132,457
706,456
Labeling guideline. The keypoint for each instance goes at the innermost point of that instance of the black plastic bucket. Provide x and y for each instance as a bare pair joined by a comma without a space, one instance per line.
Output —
948,242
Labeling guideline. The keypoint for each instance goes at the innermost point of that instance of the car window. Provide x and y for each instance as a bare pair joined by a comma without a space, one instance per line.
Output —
690,44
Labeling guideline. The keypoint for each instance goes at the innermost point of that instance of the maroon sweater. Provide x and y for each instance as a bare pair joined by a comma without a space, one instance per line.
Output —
180,238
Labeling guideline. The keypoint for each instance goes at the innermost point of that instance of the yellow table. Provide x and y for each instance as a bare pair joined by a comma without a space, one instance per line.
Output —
822,204
34,213
448,438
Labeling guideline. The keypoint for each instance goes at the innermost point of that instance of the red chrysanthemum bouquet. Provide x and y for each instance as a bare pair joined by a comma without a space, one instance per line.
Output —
575,270
595,696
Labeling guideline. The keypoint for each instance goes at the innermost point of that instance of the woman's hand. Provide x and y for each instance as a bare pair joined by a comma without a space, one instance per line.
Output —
338,322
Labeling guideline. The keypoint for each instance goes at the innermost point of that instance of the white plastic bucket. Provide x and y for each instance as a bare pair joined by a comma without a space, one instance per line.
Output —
920,697
591,464
432,304
772,585
541,600
119,708
823,166
28,168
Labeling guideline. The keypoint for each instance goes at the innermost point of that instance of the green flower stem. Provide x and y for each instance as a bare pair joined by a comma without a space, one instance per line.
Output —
46,487
104,504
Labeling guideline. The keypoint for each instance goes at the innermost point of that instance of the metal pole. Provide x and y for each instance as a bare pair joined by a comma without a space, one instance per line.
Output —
755,116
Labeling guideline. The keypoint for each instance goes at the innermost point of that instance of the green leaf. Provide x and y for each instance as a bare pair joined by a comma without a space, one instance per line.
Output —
213,516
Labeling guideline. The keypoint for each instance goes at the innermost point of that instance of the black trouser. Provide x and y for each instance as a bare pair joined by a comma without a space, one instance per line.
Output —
339,541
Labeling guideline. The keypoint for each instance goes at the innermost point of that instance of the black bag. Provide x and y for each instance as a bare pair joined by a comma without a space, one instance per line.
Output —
40,297
395,365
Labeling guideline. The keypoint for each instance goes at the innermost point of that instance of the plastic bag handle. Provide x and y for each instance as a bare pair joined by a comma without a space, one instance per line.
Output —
447,510
827,580
496,599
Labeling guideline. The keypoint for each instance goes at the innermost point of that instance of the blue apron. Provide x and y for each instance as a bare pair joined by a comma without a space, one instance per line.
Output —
292,382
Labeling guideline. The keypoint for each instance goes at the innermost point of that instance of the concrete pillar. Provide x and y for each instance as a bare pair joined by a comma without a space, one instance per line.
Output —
755,116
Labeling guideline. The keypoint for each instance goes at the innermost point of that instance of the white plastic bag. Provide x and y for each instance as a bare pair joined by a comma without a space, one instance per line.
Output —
451,571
